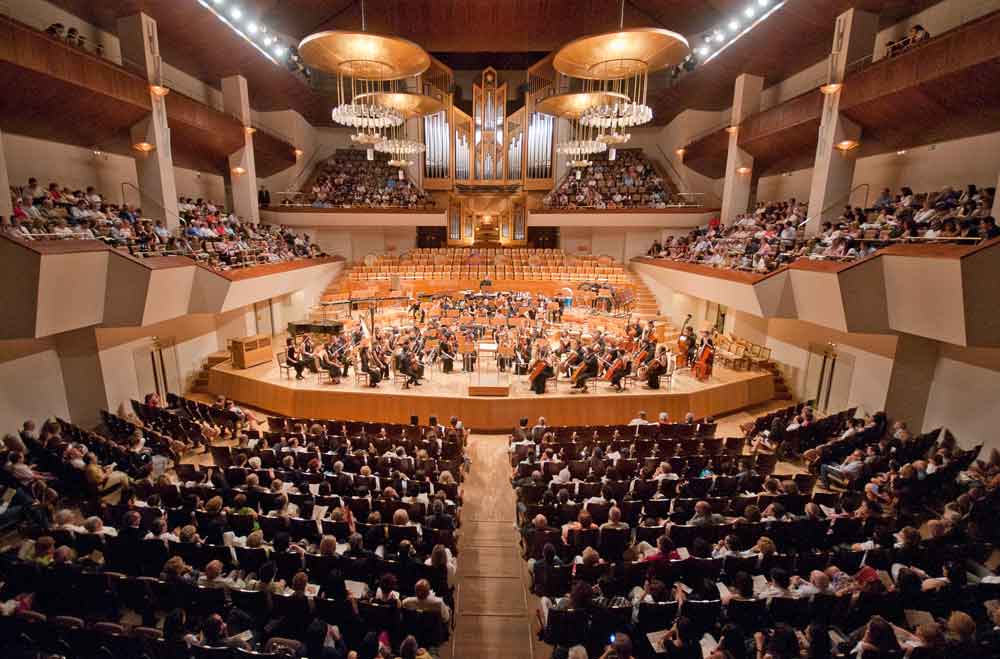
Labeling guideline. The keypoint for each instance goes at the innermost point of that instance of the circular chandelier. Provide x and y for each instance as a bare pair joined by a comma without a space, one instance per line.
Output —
366,67
619,64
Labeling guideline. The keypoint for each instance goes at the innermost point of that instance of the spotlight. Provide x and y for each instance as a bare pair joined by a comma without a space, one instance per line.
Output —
763,3
703,50
268,40
719,37
252,28
749,12
280,51
734,25
236,13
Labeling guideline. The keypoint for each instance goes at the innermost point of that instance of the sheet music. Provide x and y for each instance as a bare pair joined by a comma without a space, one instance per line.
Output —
658,641
708,645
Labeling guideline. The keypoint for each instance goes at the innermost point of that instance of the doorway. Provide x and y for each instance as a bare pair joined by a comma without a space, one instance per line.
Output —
487,231
264,316
157,369
828,377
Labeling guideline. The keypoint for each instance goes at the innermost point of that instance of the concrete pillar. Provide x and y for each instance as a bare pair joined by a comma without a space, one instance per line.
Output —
739,163
833,170
83,377
910,382
6,206
236,101
154,167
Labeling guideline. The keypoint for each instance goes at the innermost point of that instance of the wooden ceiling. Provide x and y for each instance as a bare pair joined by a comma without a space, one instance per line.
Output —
193,40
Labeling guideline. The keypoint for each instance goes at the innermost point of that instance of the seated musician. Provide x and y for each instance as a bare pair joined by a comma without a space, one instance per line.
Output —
621,367
448,350
293,358
328,361
542,371
408,365
589,366
521,358
656,368
308,355
370,364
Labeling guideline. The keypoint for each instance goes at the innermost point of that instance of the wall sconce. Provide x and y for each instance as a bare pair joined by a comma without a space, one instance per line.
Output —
299,153
238,171
250,130
144,147
159,90
680,153
743,170
847,145
831,88
732,129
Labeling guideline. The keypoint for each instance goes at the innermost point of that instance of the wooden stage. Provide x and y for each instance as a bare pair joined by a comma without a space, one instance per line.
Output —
443,395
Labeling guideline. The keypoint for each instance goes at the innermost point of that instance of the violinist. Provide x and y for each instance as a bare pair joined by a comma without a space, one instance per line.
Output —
329,362
293,358
309,354
370,364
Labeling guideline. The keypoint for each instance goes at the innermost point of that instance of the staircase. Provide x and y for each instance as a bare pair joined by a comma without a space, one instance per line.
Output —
781,390
212,359
646,307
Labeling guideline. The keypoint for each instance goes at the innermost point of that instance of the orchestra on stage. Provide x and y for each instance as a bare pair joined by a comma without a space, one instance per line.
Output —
531,340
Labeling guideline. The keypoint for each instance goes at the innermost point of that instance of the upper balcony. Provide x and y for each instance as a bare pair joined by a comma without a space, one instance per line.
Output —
946,88
940,292
60,286
107,100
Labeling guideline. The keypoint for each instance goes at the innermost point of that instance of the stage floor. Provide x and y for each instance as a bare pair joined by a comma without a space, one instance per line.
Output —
444,395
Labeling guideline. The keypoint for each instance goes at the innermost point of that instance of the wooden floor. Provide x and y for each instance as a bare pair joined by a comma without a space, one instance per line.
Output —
444,394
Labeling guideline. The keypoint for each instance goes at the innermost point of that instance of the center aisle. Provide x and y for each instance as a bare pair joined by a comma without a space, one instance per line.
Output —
494,610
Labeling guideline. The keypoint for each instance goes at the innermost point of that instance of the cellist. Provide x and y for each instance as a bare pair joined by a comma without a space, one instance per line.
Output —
705,357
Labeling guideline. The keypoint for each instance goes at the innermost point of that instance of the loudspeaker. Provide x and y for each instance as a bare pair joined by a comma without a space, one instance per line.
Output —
414,420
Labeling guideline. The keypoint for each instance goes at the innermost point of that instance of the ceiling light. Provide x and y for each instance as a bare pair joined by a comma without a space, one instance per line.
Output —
703,50
719,38
236,13
218,2
749,12
144,147
252,28
734,25
280,51
268,40
831,87
763,3
847,145
901,152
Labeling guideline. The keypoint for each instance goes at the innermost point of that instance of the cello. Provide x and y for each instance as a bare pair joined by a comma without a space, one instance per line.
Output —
702,367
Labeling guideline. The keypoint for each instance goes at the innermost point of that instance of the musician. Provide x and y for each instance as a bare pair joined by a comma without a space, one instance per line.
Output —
469,359
522,356
408,366
542,371
621,367
704,357
448,350
293,358
309,354
330,363
656,368
589,364
688,345
370,364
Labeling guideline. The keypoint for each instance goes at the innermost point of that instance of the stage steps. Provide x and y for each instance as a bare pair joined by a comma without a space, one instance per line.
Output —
645,306
200,384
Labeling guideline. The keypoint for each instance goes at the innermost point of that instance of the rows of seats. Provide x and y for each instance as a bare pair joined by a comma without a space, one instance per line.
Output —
608,536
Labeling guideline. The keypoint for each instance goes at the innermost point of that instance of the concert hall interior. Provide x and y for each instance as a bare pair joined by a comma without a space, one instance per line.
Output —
377,329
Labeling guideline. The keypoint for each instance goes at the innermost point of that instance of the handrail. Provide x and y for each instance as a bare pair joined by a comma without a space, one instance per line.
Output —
680,179
838,201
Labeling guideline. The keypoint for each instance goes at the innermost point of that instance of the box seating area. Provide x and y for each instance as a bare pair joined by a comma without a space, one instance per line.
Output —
492,263
767,526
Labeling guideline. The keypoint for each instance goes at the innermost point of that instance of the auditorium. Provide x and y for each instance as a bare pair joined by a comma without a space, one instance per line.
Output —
529,329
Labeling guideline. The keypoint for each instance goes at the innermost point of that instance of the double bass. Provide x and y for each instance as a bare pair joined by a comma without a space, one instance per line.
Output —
682,345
